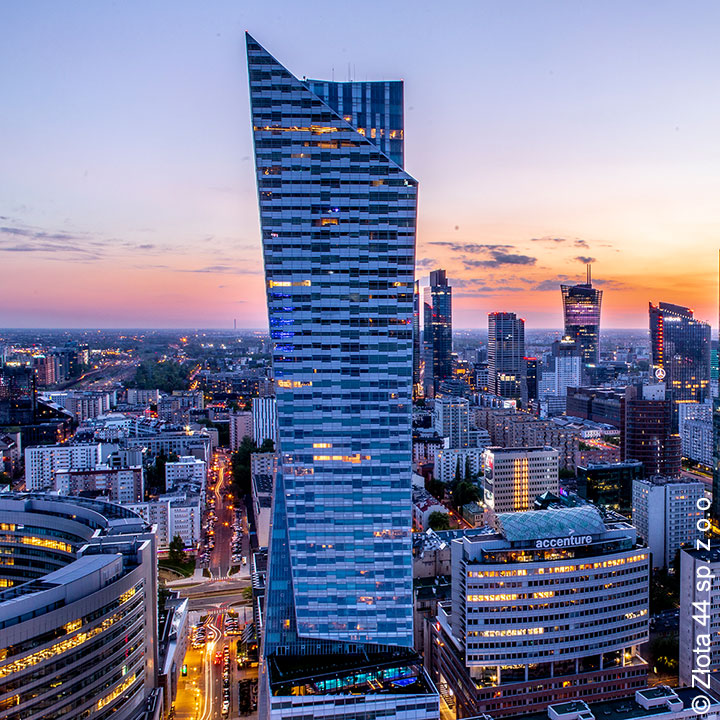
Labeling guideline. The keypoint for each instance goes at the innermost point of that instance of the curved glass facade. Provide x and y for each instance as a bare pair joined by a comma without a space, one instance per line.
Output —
77,615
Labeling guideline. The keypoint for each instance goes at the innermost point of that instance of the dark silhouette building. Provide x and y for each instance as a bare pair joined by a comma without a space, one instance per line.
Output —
18,395
600,405
609,485
530,378
417,341
506,353
646,432
437,331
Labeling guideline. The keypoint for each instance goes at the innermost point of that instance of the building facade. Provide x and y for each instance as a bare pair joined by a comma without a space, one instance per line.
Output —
609,485
699,631
241,426
665,514
506,354
553,607
680,348
437,331
78,620
121,485
453,462
42,462
452,420
186,470
264,420
514,477
646,432
582,305
337,215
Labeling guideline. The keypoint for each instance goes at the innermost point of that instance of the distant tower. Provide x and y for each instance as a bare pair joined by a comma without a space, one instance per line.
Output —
581,311
438,331
506,353
417,345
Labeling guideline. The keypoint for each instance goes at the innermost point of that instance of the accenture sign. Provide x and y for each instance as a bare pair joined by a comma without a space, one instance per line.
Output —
564,541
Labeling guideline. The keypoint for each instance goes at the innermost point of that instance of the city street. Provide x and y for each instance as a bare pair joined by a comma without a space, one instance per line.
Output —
221,558
202,692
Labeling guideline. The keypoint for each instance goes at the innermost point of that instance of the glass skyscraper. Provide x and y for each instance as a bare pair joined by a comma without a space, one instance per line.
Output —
337,215
581,310
506,354
437,331
680,347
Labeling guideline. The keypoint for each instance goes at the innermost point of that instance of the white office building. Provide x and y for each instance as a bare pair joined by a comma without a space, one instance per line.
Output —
699,614
449,461
120,485
514,477
174,514
241,425
136,396
186,470
43,461
452,420
697,441
552,606
665,514
264,420
693,411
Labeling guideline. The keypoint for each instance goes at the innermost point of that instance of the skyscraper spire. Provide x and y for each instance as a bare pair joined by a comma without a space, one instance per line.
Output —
589,274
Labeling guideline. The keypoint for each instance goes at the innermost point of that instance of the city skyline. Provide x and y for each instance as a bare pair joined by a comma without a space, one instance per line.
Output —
128,171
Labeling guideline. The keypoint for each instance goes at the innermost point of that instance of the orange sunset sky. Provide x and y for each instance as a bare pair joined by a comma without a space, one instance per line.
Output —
543,135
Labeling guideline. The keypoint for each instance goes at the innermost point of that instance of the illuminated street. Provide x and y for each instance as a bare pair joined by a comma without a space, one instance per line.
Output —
202,692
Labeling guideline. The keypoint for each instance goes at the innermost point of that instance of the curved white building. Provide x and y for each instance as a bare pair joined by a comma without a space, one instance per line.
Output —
552,607
78,598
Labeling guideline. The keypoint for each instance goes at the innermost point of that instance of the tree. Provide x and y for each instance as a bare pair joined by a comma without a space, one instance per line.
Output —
468,468
155,473
436,488
464,492
267,446
240,464
177,550
5,479
439,521
458,476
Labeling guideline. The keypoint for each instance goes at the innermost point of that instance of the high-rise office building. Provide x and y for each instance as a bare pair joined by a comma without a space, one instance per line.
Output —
338,215
680,349
665,514
78,604
506,353
530,379
264,420
437,330
553,607
564,371
514,477
417,343
699,625
581,310
452,420
646,432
